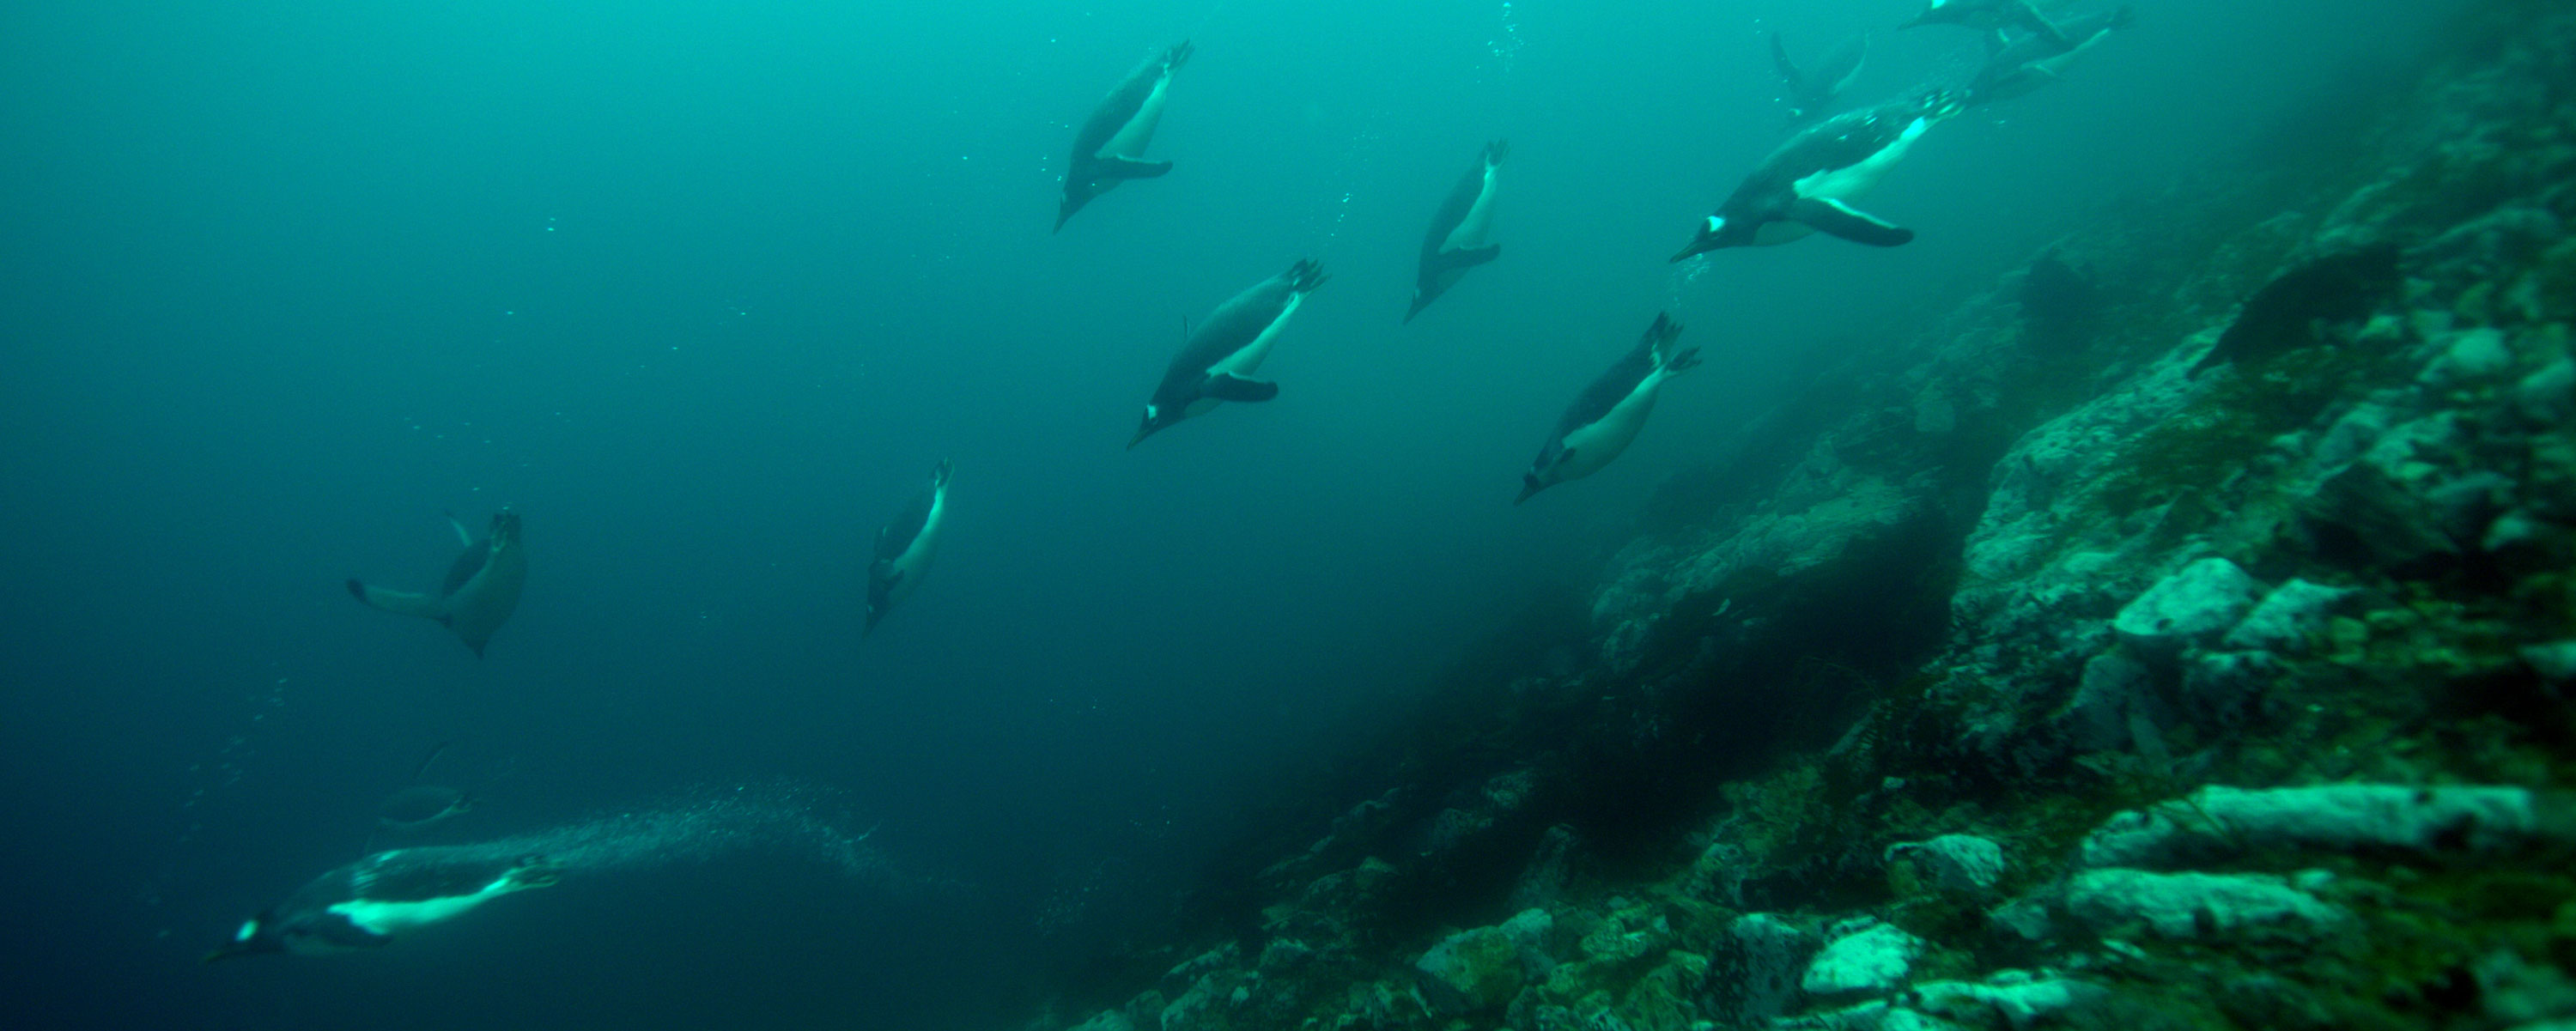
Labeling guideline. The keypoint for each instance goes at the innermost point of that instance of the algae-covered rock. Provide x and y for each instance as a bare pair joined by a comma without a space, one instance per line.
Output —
1107,1020
2285,618
1471,971
1754,975
2194,905
2201,600
1870,958
2218,821
1961,863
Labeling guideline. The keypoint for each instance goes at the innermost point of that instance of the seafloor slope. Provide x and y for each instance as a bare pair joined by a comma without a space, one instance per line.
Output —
2180,634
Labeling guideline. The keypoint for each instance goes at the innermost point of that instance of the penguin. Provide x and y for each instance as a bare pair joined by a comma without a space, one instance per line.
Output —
2033,61
1989,14
369,903
1803,186
1600,423
1216,362
1456,240
1109,149
482,587
1812,92
905,547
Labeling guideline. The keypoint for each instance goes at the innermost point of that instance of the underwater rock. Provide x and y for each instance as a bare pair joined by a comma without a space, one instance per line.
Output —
2220,687
2548,396
1871,958
2284,314
2008,999
2400,504
1755,974
1107,1020
2217,822
1471,970
1961,863
2196,905
2286,618
1550,867
2466,357
2555,662
2202,599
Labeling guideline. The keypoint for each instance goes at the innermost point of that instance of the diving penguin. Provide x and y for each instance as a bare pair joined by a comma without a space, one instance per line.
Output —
1803,186
905,547
1216,362
1599,425
481,590
1990,15
1110,147
2033,61
1456,240
1813,90
367,904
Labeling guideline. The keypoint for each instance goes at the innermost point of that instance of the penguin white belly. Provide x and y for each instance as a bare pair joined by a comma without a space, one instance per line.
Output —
1591,447
1132,137
389,918
915,559
1856,178
1472,231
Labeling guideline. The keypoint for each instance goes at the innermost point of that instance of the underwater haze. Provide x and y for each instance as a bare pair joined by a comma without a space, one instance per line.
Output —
704,292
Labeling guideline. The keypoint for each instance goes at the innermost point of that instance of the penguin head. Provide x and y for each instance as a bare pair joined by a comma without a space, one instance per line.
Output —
1155,419
1719,231
1935,12
259,934
505,527
1530,484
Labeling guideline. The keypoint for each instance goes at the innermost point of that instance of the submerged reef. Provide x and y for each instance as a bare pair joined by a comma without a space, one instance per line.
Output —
2018,677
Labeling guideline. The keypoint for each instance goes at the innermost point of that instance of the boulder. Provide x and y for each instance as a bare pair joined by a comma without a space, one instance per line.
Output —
2218,821
2181,906
1870,958
2200,601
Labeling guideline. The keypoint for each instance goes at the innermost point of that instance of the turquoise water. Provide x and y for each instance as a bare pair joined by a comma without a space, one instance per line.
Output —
704,293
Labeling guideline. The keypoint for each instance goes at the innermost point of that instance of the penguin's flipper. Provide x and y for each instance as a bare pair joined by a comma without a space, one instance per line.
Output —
1470,257
1226,386
404,602
1834,218
1115,167
463,536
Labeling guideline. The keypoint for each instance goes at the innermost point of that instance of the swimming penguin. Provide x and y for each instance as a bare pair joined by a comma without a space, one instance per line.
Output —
1216,362
1599,425
482,587
369,903
1456,240
419,806
905,546
1989,14
1109,150
1803,186
1813,91
2033,61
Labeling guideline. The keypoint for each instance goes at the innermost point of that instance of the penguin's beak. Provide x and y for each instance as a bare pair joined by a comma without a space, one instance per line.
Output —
1142,432
1529,486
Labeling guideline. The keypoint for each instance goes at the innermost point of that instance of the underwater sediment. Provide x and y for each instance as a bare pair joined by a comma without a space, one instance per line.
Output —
2178,634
